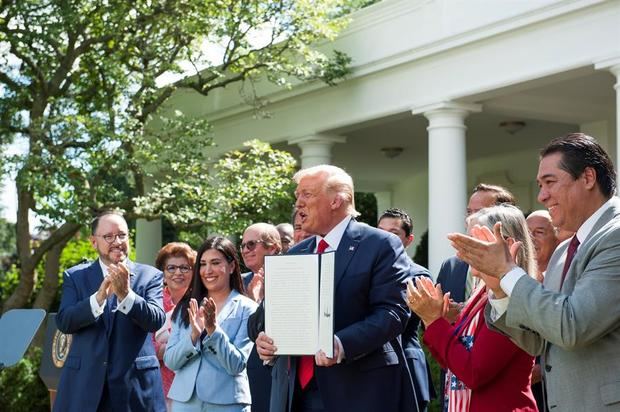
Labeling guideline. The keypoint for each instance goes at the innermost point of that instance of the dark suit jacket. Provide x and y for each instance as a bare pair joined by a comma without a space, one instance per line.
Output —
420,371
369,316
258,374
452,276
113,349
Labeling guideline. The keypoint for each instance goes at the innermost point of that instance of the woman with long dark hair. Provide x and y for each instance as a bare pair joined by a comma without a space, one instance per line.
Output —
209,345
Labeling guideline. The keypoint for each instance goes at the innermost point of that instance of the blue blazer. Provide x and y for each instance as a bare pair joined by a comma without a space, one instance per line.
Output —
452,276
369,316
115,348
416,359
216,366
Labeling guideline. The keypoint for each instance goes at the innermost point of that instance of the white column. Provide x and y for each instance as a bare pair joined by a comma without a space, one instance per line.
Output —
148,240
601,131
447,176
148,237
384,201
316,149
613,65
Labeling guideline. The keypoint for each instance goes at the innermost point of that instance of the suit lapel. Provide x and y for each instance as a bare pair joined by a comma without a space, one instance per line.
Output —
132,273
346,249
94,281
229,307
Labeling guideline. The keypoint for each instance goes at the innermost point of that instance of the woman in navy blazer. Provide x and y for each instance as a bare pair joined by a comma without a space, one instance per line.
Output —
209,345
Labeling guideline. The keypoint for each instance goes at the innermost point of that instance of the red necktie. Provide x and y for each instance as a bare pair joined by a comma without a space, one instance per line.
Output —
570,254
306,363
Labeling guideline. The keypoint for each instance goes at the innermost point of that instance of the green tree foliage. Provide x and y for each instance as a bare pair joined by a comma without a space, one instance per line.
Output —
21,389
7,242
78,85
366,204
253,185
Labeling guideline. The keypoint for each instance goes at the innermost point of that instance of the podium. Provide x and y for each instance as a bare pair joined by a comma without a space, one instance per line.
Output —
55,351
17,328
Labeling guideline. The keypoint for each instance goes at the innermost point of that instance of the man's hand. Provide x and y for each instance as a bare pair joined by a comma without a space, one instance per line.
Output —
256,287
321,359
492,258
104,291
120,280
265,347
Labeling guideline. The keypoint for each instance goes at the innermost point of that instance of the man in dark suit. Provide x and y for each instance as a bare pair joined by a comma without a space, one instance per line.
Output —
453,274
398,222
111,307
368,370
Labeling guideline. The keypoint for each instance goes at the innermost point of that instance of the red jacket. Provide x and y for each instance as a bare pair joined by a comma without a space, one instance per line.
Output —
496,370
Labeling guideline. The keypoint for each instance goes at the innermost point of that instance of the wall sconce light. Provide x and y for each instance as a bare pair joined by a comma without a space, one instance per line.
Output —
512,126
391,152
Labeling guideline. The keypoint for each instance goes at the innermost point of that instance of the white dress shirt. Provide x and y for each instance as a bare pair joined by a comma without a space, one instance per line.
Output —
333,239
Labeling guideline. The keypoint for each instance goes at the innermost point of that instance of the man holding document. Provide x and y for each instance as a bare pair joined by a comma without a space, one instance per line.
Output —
367,370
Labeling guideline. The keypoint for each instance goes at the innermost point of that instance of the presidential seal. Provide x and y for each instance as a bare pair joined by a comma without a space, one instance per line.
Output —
60,348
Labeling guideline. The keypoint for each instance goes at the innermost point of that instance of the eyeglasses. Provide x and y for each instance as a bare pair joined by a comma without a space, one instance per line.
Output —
182,268
250,244
110,238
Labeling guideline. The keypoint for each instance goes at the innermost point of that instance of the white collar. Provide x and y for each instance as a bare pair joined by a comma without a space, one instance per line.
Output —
584,230
334,236
104,268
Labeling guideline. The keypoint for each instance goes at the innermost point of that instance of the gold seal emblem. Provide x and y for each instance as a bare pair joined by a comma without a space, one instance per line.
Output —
60,348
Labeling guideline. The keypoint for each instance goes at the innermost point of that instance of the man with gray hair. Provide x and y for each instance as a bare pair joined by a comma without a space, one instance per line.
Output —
368,370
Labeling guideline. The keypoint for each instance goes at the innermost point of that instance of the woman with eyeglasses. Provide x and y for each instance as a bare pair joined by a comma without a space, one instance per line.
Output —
486,371
259,240
176,260
209,345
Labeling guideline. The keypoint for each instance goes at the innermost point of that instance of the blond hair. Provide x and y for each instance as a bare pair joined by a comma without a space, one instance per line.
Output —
337,181
514,226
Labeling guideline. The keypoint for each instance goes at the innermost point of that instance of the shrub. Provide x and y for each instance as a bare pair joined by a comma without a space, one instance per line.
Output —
21,389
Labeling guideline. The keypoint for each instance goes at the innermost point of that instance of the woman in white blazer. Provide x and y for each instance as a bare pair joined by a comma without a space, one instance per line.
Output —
209,345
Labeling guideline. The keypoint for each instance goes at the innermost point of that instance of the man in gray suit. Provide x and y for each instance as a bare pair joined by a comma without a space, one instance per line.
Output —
573,319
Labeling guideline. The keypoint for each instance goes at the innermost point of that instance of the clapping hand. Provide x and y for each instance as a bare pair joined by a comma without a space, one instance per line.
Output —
210,309
427,300
119,280
196,319
487,251
484,234
256,287
104,291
